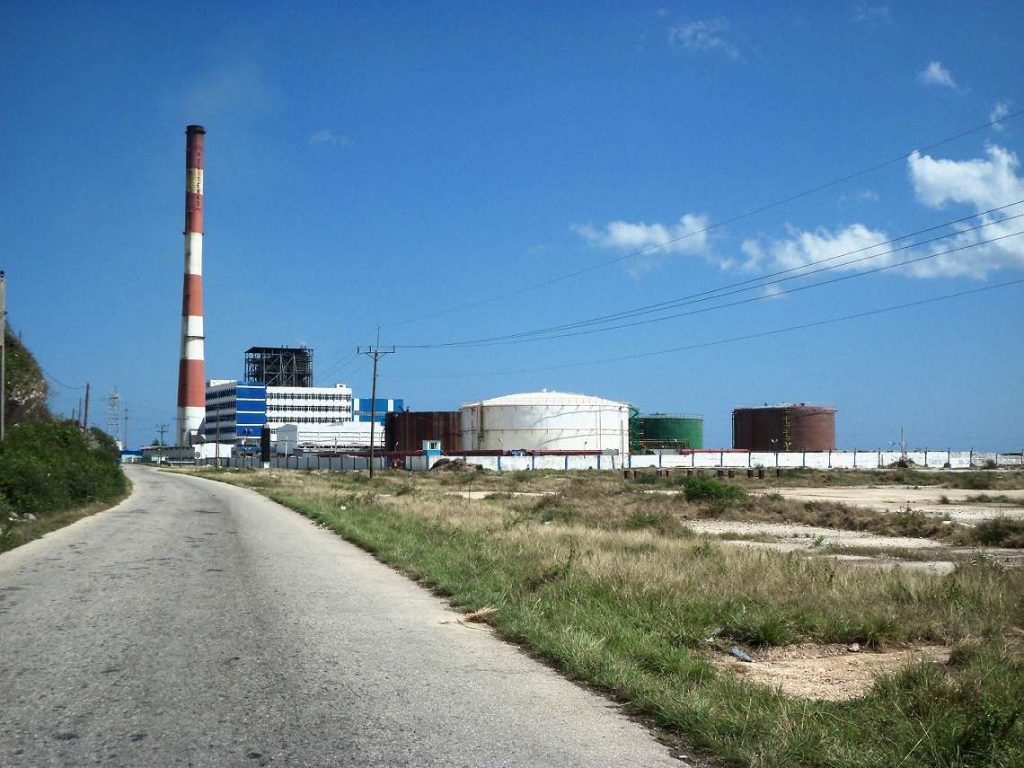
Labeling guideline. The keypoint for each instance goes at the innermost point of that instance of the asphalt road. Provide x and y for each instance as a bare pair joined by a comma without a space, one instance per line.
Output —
198,624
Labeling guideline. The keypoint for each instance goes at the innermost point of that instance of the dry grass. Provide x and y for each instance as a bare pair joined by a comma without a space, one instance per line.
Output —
605,583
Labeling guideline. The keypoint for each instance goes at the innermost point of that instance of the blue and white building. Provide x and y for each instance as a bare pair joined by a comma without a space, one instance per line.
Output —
364,407
306,417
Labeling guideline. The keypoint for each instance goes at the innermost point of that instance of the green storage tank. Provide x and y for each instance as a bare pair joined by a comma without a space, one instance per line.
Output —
664,430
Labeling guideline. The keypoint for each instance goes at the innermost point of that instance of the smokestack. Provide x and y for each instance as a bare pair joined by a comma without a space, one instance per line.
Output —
191,376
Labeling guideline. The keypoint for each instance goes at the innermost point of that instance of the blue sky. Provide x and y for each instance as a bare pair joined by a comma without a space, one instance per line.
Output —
439,169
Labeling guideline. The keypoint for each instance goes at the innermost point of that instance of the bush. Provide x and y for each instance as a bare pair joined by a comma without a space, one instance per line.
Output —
48,466
1000,532
700,488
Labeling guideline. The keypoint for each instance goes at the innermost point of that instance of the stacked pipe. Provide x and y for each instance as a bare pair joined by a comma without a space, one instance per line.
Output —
191,375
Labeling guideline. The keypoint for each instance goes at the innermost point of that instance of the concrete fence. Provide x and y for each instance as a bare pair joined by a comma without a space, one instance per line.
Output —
693,460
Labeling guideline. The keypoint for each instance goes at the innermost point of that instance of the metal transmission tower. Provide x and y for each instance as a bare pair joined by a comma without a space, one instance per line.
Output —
376,352
114,414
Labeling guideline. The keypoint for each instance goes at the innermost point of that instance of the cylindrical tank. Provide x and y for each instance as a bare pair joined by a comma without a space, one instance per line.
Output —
663,430
406,430
546,421
787,427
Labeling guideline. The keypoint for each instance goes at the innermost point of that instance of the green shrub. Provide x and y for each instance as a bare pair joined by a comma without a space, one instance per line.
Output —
48,466
700,488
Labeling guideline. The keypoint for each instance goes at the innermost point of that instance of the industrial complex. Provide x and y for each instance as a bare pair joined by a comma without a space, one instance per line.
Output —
277,395
275,407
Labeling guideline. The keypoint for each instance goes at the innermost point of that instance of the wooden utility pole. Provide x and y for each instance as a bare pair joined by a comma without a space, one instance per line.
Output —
85,414
376,353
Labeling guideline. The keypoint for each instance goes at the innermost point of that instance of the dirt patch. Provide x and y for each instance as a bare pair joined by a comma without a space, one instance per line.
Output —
801,535
829,672
958,505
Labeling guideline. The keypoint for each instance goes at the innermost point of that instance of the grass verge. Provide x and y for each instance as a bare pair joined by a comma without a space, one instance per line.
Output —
613,593
29,530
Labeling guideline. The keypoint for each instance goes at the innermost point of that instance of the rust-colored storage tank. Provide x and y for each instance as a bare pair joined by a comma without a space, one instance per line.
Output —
789,427
406,430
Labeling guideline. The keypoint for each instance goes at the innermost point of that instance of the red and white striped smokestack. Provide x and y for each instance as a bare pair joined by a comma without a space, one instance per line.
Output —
191,376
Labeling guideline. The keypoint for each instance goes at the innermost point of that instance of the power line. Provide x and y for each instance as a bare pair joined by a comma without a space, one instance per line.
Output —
716,225
764,280
752,299
551,332
58,382
734,339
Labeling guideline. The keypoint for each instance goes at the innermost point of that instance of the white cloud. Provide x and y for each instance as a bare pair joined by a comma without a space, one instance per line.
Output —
981,184
704,36
802,248
871,14
999,111
327,136
653,241
936,74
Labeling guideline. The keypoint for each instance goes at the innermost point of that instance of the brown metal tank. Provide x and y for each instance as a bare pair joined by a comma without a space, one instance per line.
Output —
406,430
789,427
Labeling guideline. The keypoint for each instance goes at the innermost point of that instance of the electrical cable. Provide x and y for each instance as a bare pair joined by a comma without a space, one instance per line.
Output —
549,333
57,381
763,280
729,220
734,339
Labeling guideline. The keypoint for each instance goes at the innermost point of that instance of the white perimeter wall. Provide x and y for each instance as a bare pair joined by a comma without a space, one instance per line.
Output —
695,460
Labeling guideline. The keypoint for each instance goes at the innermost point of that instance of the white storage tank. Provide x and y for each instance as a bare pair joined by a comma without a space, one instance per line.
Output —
546,421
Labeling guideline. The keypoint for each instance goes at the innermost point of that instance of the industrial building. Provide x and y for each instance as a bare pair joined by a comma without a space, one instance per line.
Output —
546,421
407,430
278,393
237,411
784,427
666,432
363,408
279,366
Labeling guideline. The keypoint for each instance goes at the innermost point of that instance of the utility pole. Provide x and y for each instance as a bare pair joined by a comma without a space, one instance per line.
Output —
85,413
126,428
3,355
376,353
216,438
161,428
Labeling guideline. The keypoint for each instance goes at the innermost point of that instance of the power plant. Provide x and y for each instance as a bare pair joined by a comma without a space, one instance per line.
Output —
276,394
191,373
